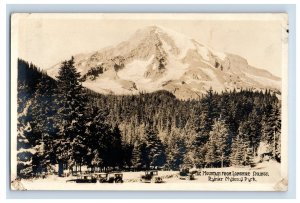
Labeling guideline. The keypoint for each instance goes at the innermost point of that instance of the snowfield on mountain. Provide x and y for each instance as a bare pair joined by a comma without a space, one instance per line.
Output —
157,58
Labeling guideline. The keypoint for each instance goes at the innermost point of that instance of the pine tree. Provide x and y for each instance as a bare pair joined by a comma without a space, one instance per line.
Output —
276,114
116,148
204,122
175,150
154,148
217,144
237,155
96,160
25,151
271,128
97,138
44,130
136,160
71,101
210,156
35,111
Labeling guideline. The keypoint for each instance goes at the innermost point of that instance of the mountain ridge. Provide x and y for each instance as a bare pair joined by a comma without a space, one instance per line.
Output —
156,58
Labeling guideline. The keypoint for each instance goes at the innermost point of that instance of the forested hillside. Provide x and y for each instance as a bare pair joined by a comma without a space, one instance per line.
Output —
60,122
199,132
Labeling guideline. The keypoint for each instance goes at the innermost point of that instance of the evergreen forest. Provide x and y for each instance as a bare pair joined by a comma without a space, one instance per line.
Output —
61,123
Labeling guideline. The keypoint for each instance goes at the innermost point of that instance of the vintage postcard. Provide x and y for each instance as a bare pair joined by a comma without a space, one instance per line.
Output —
149,101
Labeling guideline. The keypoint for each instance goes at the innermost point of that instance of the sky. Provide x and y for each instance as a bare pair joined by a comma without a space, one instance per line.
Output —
46,39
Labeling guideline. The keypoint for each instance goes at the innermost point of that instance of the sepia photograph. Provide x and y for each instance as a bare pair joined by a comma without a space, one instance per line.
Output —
149,101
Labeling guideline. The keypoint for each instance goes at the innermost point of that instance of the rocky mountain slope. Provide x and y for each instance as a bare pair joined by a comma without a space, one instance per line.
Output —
156,58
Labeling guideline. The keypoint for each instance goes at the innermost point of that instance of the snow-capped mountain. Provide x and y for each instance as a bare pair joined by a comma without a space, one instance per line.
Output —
156,58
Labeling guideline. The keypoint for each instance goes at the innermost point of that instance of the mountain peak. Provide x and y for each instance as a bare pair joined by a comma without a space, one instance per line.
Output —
151,28
162,33
157,58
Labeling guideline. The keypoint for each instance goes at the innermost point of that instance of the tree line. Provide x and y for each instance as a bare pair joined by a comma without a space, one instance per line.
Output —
62,123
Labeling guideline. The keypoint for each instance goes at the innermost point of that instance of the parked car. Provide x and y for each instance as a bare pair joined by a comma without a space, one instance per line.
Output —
109,177
119,178
185,174
158,180
101,177
151,176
